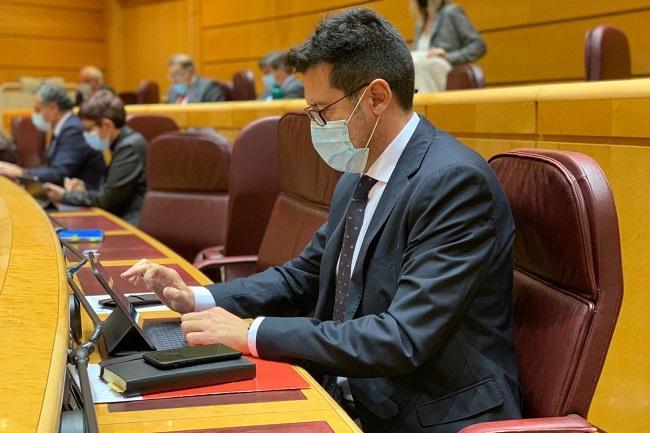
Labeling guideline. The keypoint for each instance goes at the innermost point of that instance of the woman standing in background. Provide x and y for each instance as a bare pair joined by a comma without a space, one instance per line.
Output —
444,38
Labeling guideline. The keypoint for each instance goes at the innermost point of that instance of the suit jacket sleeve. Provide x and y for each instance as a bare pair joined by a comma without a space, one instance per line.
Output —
287,290
213,92
472,45
119,185
73,152
451,235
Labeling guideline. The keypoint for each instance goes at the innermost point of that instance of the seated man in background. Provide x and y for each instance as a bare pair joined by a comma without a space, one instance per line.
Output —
188,85
279,79
403,298
123,185
91,81
68,154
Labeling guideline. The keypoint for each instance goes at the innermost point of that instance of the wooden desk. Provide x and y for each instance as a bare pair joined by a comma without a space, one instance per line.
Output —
297,411
33,315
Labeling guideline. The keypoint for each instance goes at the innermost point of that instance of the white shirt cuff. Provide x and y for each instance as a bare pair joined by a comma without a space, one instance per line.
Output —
203,299
252,336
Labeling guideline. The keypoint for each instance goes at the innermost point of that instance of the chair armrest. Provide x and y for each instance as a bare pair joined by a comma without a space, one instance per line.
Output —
209,253
224,269
563,424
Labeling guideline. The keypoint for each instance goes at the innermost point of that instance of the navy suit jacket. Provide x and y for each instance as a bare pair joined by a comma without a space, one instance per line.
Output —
68,155
427,338
203,90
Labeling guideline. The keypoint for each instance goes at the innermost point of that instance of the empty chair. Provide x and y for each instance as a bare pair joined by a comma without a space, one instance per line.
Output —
467,76
148,92
243,86
301,207
30,142
151,125
607,54
187,199
129,98
227,88
568,284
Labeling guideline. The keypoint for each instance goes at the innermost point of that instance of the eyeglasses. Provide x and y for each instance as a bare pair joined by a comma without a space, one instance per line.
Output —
317,115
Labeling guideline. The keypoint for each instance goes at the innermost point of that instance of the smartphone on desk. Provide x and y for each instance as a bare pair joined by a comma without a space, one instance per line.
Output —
185,356
135,300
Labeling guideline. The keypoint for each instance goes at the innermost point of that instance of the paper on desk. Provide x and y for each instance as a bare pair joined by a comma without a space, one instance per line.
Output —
93,300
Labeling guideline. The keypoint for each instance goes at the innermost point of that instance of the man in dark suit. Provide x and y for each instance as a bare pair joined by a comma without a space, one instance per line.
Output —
410,279
188,85
68,154
281,75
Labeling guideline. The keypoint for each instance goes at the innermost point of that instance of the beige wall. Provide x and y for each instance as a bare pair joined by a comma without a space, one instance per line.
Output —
45,38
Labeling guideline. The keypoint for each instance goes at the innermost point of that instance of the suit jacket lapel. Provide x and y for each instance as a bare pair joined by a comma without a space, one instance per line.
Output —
408,164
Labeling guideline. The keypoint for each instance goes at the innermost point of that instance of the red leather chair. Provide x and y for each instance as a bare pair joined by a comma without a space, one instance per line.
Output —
187,198
148,93
607,54
568,285
151,125
243,86
302,205
129,98
30,142
227,88
466,76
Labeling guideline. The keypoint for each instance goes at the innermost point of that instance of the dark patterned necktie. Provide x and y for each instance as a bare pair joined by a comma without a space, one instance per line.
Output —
353,223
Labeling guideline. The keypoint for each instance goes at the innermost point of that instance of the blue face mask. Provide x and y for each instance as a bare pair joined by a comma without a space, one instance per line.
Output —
180,88
333,144
269,81
95,141
40,123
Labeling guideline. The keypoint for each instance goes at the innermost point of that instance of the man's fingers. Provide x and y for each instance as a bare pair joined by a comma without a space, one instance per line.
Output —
201,338
137,269
195,326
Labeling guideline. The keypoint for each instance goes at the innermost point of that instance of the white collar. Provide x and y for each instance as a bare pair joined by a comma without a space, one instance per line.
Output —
384,166
59,125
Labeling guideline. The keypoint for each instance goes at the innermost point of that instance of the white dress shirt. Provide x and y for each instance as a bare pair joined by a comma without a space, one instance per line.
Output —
381,170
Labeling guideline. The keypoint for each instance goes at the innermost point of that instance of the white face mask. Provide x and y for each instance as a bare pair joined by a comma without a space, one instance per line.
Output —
333,144
40,123
95,141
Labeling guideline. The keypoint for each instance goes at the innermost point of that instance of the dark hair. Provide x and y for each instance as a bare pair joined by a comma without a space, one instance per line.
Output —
361,46
50,92
104,105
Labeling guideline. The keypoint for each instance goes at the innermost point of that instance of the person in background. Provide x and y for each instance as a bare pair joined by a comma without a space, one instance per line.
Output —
279,79
444,38
123,185
188,86
91,80
68,154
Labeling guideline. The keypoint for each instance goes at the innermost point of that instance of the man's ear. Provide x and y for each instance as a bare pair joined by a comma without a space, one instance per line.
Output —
380,96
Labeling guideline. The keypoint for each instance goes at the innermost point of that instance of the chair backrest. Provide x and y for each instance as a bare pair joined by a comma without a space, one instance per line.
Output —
243,86
227,88
30,142
148,92
129,98
306,188
151,125
253,186
187,198
568,283
607,54
466,76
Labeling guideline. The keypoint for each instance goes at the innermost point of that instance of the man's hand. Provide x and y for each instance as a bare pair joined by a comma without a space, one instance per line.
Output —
54,192
74,184
216,325
10,170
437,52
165,282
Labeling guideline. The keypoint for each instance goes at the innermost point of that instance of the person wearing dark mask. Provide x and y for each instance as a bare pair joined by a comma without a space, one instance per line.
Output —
279,80
123,185
444,38
188,86
68,154
403,298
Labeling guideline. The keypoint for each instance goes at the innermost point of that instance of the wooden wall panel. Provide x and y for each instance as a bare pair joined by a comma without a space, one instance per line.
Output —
47,38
